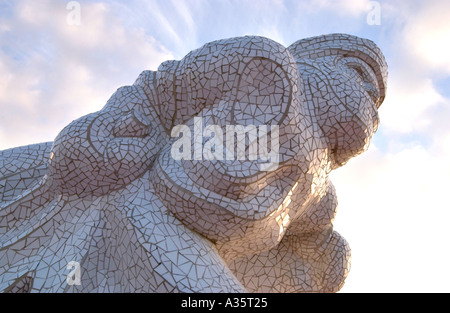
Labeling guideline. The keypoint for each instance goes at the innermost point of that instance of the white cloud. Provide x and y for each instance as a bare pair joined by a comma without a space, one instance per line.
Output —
339,7
185,13
428,34
407,101
417,57
393,209
53,73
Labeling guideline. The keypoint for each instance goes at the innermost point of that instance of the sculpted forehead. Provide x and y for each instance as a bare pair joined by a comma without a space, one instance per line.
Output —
346,46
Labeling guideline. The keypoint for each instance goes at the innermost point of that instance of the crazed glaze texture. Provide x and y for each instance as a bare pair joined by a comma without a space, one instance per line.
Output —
110,198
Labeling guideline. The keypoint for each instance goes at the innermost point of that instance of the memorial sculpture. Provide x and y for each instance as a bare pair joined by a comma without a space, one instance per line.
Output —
207,175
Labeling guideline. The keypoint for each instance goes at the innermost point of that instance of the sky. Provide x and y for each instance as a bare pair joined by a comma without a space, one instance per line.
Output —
60,60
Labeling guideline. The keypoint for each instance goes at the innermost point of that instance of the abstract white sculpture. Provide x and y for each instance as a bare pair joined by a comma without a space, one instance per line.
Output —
126,200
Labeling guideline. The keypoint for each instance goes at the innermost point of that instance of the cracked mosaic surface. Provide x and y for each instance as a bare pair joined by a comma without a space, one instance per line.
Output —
108,194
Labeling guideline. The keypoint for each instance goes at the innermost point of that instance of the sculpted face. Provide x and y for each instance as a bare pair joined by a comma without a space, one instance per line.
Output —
343,90
347,110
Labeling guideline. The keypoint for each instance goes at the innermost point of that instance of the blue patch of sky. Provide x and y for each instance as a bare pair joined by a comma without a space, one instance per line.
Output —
6,8
198,22
389,142
442,85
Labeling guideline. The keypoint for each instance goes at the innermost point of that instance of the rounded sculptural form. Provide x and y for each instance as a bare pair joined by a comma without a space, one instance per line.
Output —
209,174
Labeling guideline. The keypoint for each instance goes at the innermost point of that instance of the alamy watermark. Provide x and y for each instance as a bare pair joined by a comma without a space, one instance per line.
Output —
74,16
242,143
374,15
74,276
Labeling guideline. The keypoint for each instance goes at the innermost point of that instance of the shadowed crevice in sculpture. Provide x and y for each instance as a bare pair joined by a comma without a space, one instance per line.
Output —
22,284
